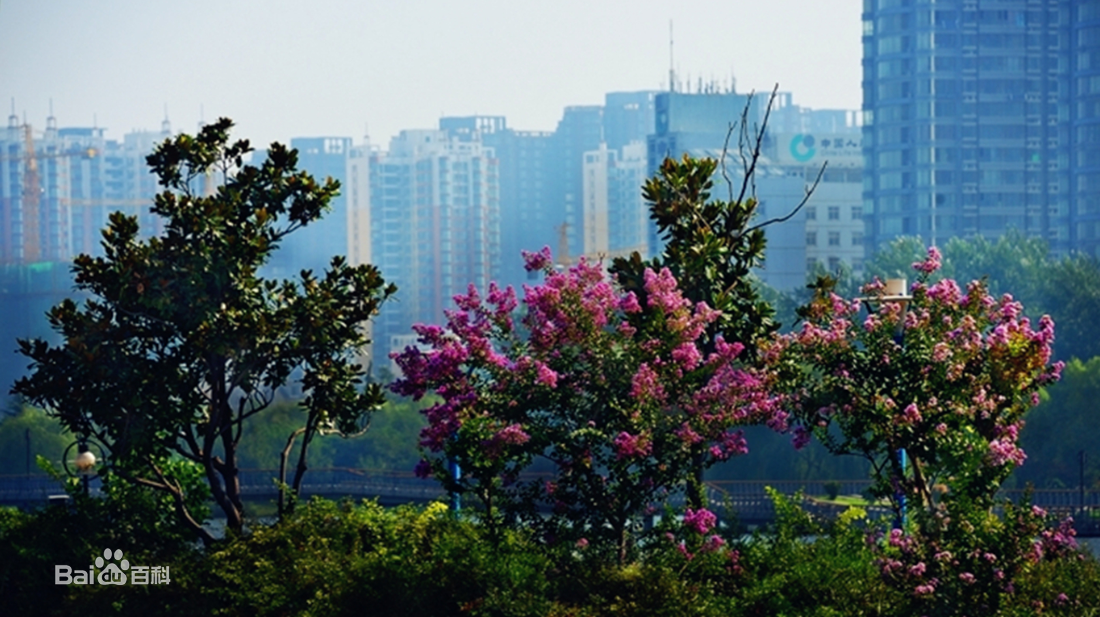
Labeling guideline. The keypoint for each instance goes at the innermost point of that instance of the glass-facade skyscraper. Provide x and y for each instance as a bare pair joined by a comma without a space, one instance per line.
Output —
970,119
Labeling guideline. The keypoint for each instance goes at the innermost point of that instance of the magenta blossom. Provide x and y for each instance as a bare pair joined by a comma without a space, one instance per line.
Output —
701,520
534,262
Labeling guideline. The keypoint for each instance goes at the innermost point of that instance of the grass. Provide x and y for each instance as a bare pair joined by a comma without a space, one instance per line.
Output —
858,501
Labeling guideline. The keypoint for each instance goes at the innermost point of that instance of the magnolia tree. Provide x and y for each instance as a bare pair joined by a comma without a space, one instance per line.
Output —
601,398
948,379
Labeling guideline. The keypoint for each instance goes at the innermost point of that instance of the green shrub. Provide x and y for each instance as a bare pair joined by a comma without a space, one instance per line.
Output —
346,558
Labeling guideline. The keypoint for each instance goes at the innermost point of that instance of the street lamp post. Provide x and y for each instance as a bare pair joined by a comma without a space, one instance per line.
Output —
84,463
895,291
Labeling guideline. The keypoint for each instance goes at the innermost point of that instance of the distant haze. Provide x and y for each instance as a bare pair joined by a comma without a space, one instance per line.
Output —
283,69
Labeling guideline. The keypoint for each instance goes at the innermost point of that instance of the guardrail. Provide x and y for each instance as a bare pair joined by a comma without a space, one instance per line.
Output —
747,497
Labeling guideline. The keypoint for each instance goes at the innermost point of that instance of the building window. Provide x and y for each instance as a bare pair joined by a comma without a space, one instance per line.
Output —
811,263
834,238
811,213
834,264
857,238
834,213
857,213
811,238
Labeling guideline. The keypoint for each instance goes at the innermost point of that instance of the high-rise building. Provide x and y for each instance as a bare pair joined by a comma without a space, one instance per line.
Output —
529,205
435,226
542,182
580,130
616,218
1080,34
628,117
314,246
973,118
833,214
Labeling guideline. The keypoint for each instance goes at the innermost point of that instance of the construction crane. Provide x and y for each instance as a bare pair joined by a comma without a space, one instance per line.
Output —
563,260
31,198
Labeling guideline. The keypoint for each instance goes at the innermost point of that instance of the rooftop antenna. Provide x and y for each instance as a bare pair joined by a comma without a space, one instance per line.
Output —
671,70
13,119
51,122
166,126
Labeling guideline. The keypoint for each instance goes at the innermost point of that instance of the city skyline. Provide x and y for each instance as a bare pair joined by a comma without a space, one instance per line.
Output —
344,68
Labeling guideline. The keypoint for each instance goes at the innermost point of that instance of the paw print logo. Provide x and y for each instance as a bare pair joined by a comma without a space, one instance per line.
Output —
112,574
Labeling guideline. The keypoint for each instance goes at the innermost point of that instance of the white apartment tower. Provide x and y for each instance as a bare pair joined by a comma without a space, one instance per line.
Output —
435,226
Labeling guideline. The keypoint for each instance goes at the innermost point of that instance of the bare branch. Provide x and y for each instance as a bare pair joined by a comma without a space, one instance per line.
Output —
805,198
750,170
725,151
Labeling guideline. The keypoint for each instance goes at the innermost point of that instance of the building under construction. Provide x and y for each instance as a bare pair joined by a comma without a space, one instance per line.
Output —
57,188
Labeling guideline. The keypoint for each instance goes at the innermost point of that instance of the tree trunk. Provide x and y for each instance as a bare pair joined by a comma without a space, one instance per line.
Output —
283,487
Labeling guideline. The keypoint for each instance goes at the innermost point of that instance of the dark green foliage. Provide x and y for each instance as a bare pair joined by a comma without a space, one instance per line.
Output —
182,342
710,247
136,519
1060,428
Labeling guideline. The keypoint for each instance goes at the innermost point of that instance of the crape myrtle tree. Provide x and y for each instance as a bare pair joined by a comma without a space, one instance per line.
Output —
615,395
948,379
182,341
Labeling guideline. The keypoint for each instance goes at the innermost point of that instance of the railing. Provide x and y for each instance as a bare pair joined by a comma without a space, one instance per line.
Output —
747,497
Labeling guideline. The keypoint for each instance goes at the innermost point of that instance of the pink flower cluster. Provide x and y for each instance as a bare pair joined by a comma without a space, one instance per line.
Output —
534,262
631,446
700,521
931,263
947,375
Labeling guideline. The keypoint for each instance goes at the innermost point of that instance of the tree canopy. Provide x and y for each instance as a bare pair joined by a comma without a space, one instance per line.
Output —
182,341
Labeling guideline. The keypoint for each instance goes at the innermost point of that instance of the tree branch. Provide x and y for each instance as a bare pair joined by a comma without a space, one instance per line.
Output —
805,198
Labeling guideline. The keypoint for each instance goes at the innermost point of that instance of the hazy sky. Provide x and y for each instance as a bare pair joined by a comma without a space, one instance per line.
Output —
285,69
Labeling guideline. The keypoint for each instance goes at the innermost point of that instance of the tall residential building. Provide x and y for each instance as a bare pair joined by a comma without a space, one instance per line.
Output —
616,218
976,118
435,226
580,130
1080,34
529,206
542,173
314,246
356,193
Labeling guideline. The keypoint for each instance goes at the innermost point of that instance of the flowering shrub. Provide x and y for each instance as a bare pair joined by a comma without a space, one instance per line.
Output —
610,399
970,561
948,380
